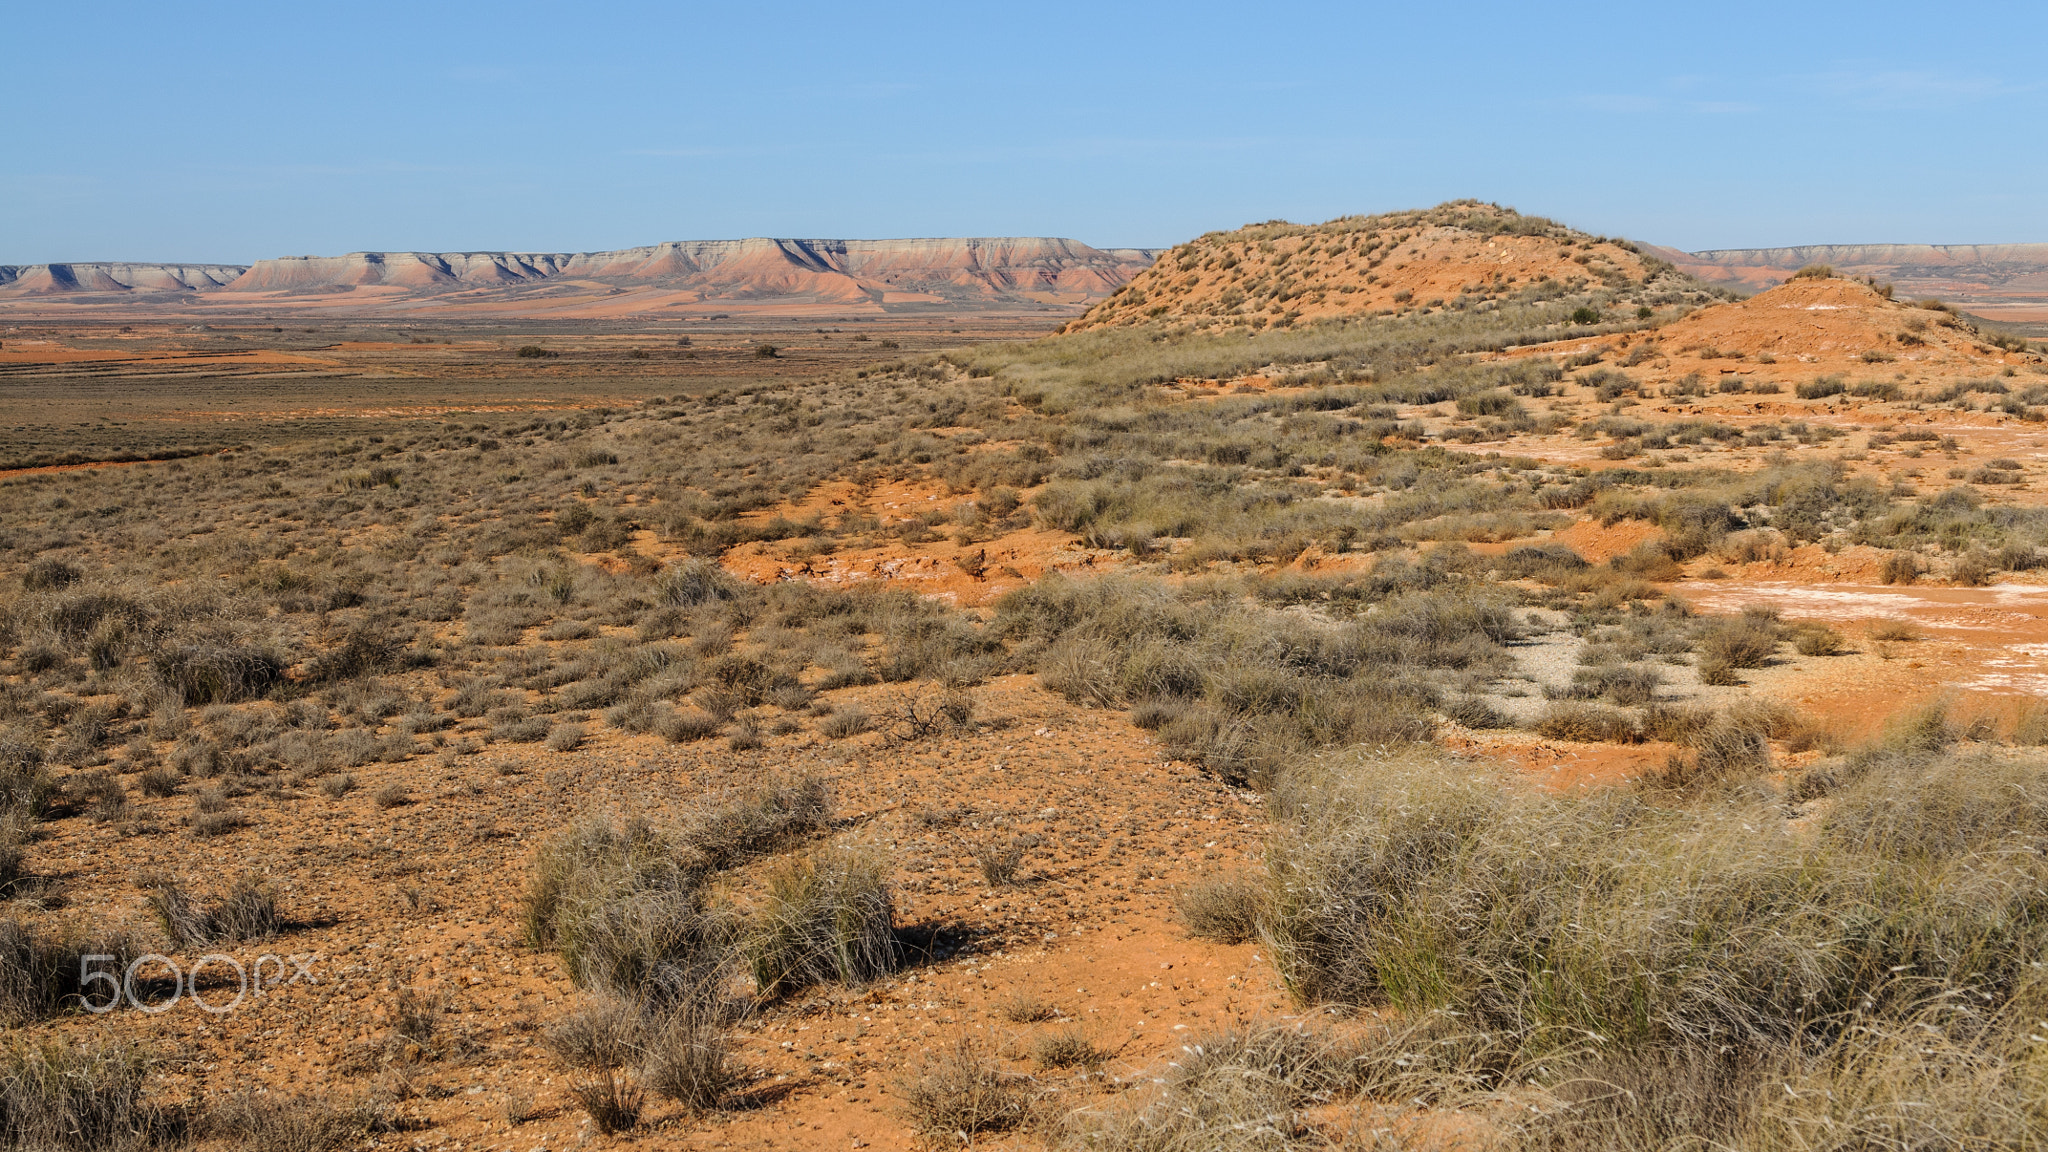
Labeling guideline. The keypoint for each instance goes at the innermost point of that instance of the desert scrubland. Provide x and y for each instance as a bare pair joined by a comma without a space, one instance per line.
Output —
1433,680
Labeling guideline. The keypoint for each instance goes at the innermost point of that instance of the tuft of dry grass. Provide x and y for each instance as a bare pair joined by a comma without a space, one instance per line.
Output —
1224,908
1587,723
827,917
957,1094
612,1103
247,911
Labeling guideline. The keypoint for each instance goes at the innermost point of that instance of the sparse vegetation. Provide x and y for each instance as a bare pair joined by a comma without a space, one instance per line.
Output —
1284,541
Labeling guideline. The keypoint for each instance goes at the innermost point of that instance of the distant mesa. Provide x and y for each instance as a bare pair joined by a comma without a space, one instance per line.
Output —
2007,282
758,275
121,277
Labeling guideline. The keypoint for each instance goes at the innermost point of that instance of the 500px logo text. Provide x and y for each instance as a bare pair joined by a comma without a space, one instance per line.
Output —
104,985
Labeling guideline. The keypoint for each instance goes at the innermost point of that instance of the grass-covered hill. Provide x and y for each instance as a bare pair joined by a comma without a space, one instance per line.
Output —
1460,256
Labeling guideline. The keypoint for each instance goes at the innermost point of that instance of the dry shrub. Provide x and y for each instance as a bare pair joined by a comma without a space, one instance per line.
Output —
40,975
270,1122
1224,909
1425,883
612,1103
727,828
63,1094
846,722
1255,1087
247,911
1024,1008
1899,568
606,1032
827,917
1893,630
957,1094
1745,641
1817,640
1587,724
687,726
1067,1048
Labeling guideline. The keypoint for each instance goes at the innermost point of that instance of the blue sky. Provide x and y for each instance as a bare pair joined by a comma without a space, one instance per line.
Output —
231,132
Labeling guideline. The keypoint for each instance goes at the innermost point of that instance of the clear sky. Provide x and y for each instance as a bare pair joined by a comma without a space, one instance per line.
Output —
231,132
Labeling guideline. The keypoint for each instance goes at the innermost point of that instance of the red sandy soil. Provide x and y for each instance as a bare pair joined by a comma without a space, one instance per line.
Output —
424,896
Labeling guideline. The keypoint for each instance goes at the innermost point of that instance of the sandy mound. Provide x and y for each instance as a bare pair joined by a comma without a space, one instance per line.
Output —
1830,319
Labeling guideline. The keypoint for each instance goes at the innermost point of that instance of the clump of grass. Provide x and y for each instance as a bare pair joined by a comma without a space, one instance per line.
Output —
1224,909
959,1093
1746,641
828,917
1024,1008
64,1094
1000,859
1817,640
276,1122
1424,883
846,722
1899,568
246,911
1587,724
612,1103
566,738
1250,1087
1893,630
158,782
393,795
1066,1048
43,974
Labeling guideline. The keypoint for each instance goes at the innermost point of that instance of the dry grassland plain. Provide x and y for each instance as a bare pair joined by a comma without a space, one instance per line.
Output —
1437,680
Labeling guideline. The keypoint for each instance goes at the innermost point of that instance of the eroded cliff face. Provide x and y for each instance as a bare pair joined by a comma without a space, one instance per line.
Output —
115,276
969,272
961,268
